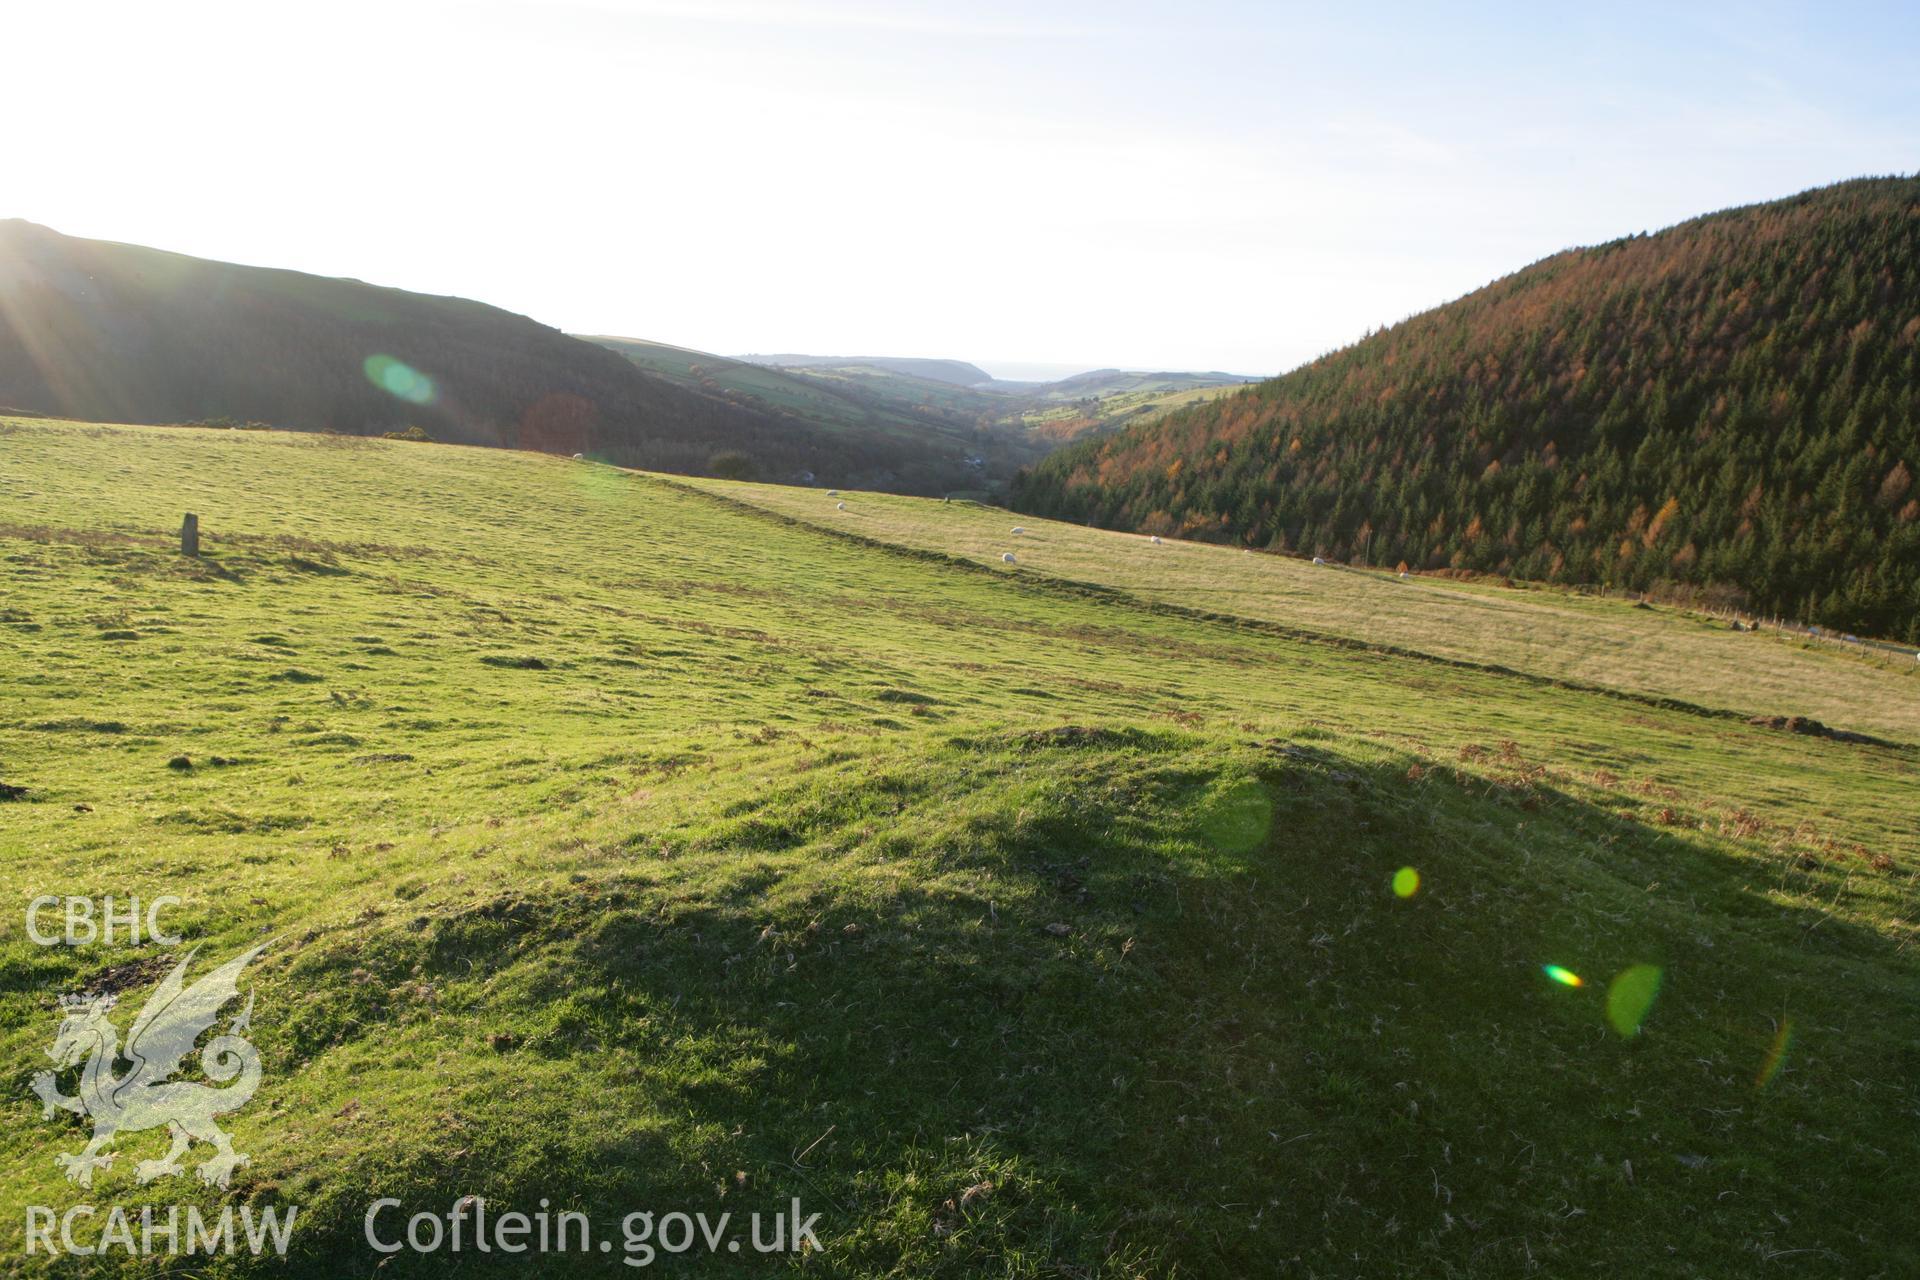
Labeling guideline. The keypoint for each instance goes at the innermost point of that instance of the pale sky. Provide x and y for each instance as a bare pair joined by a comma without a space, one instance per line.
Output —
1198,185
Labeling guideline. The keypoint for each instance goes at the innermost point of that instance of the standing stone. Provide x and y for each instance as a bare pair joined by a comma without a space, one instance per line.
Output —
190,535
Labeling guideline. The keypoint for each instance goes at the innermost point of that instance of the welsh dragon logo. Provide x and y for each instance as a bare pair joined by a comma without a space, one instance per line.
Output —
143,1097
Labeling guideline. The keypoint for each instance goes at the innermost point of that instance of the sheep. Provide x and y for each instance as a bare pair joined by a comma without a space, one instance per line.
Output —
1403,573
579,457
1155,539
839,506
833,493
1318,560
1018,530
1006,557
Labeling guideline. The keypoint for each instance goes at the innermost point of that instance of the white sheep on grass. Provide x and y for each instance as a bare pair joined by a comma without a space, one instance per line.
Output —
1006,557
833,493
839,506
1318,560
1155,539
1018,530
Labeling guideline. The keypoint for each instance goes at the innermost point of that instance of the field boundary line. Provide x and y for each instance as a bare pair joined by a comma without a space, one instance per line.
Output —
1099,591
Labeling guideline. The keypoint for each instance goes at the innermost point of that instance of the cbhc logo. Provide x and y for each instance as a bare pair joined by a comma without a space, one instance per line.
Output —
82,924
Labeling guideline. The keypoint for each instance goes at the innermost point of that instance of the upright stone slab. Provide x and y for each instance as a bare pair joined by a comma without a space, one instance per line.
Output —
190,535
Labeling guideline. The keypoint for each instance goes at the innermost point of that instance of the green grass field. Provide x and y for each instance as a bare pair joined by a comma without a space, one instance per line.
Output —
1657,651
626,845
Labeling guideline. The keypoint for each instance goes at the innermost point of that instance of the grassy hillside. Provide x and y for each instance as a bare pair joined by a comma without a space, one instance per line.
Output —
905,391
718,375
955,372
1729,408
1128,401
1655,651
627,846
124,333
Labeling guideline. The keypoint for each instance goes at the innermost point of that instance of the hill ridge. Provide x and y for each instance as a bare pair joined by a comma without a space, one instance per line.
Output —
1728,408
100,330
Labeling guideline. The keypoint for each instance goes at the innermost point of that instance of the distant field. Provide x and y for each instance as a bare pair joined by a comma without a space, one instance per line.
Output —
1659,651
628,848
1122,409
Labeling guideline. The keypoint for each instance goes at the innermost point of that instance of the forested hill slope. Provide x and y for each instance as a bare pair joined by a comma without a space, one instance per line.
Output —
1732,405
95,330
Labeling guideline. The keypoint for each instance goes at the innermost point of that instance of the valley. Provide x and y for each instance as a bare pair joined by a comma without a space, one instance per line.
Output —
1401,763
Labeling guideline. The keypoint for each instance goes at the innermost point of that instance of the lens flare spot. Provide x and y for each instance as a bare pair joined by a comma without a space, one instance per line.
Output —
1776,1055
1630,997
399,379
1406,882
1565,977
1237,819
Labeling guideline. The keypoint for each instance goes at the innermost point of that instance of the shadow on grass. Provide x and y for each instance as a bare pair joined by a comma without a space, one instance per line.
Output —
1109,1002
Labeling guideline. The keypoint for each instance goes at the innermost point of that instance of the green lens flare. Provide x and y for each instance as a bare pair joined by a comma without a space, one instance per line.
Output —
399,379
1630,997
1237,820
1406,882
1565,977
